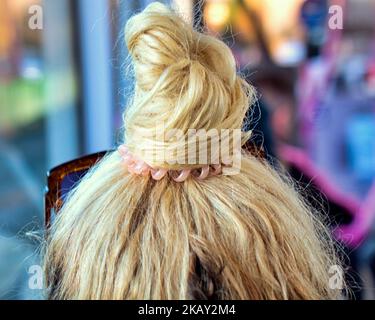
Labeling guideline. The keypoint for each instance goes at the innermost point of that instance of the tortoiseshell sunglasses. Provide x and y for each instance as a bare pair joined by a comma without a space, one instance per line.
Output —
62,179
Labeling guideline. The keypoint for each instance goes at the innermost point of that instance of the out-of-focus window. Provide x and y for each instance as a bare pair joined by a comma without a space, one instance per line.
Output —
38,124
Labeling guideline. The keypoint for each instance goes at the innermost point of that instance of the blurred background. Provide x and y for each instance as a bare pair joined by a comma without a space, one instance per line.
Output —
63,87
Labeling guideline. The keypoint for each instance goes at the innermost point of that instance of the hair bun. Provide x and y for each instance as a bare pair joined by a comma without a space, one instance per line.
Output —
156,38
184,80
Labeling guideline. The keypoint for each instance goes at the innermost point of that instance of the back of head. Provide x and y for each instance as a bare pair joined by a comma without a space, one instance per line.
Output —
230,236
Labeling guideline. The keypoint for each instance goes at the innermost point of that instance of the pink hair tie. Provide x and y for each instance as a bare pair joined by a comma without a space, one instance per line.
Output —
131,168
139,167
204,173
183,175
217,169
123,150
126,157
158,174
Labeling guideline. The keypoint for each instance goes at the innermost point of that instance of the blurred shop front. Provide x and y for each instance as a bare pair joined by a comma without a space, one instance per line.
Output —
64,85
38,125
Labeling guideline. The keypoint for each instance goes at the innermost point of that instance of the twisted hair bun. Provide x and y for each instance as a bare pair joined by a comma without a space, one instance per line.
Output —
184,80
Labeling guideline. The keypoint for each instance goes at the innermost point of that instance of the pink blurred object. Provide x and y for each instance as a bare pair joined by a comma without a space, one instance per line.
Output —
363,211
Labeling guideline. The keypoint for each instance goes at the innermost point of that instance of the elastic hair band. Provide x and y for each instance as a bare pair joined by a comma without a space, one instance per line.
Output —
139,167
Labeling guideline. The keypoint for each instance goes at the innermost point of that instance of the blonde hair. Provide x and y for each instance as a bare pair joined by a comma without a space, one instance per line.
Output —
243,236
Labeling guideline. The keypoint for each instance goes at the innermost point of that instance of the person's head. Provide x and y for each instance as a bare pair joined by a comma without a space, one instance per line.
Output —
245,235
